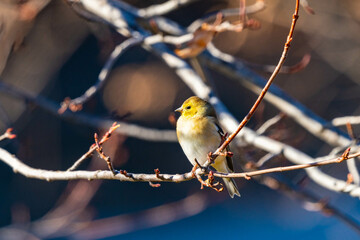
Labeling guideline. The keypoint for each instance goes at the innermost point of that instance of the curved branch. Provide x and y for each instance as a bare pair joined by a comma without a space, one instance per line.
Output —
128,129
76,104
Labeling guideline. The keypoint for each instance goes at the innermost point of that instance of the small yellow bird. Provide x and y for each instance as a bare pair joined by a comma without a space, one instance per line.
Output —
199,133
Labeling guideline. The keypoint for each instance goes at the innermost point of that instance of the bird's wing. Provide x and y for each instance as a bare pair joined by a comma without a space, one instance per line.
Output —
222,135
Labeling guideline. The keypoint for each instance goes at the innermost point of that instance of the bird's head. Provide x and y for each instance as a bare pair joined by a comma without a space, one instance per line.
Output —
196,107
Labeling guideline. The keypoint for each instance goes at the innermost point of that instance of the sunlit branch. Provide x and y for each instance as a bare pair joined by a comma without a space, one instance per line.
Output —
163,8
267,86
256,7
317,126
342,121
122,175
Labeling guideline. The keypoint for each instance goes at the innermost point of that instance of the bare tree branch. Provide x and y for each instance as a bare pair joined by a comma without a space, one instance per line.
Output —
7,135
345,156
76,104
125,20
90,120
195,83
353,171
256,7
268,84
269,123
95,147
227,65
48,175
248,135
279,99
342,121
163,8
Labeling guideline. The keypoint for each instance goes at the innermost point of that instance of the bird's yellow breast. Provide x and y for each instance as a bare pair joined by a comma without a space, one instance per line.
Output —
201,127
197,137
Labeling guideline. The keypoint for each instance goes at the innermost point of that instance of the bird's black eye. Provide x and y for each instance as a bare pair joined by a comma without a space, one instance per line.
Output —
188,107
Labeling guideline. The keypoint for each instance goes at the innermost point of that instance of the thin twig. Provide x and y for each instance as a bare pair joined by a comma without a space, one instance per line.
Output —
128,129
269,123
8,134
350,131
256,7
270,68
227,64
268,84
351,164
94,147
242,11
345,156
262,161
76,104
102,154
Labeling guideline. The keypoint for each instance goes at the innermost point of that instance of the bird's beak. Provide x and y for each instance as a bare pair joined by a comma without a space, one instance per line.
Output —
179,110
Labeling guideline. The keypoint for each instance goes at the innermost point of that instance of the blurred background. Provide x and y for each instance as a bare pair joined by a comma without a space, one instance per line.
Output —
48,50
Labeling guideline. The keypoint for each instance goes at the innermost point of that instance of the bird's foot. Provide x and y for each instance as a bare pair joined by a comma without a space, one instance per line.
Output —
210,182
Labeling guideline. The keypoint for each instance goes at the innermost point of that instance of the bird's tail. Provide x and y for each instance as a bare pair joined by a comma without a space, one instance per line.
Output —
231,187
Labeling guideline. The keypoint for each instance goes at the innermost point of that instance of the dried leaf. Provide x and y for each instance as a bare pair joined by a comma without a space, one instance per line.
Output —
196,45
